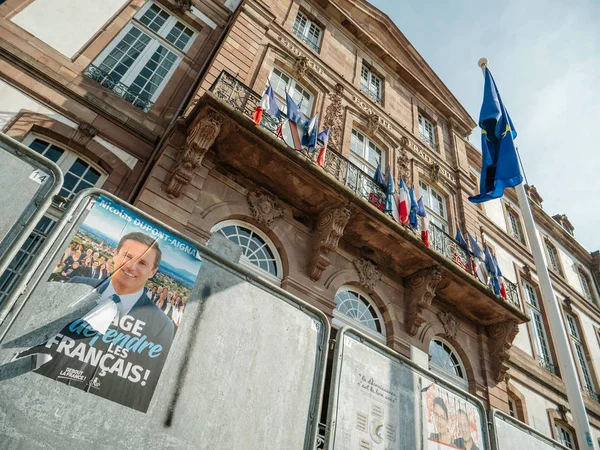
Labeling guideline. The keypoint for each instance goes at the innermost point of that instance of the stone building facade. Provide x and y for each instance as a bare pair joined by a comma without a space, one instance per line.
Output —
202,166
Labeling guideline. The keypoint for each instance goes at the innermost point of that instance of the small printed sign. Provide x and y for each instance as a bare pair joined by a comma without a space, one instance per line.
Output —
39,176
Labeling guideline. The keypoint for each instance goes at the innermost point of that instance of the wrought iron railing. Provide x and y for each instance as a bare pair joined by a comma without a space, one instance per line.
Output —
372,93
429,141
545,364
137,99
512,293
321,437
243,99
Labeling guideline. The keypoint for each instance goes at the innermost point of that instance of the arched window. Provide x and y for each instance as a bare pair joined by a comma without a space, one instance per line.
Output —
446,363
258,251
354,307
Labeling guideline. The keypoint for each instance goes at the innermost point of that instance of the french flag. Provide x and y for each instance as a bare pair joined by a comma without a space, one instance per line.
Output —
309,138
500,280
478,259
490,265
294,117
412,215
425,229
268,104
403,202
323,136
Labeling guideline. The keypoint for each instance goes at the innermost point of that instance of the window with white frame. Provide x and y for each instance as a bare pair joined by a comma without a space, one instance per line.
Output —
444,360
586,285
365,154
537,324
281,83
584,368
564,436
258,251
79,174
427,131
354,307
138,63
435,204
514,225
552,255
371,84
307,31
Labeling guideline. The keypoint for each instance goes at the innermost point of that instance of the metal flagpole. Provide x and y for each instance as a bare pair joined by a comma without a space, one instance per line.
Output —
565,358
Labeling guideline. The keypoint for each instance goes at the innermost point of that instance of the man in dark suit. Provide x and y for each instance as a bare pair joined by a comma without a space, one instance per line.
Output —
465,440
117,351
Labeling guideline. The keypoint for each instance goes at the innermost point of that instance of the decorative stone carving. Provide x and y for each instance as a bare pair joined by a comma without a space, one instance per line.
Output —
500,342
373,123
201,136
419,293
403,160
183,5
264,208
564,222
85,133
533,194
300,66
450,323
434,172
368,273
568,302
334,115
527,270
329,230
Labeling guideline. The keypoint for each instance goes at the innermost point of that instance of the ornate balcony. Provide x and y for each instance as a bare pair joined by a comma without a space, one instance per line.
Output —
256,154
136,98
512,292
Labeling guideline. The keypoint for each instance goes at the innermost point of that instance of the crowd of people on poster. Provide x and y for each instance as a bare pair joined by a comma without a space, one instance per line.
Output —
452,422
140,278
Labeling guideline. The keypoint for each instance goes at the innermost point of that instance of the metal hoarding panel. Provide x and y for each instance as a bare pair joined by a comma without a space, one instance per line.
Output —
243,369
510,434
28,181
379,400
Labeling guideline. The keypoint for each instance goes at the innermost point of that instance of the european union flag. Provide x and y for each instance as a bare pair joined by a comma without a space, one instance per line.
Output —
500,164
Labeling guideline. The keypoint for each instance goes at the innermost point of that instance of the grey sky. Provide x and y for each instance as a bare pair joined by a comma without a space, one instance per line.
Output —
545,57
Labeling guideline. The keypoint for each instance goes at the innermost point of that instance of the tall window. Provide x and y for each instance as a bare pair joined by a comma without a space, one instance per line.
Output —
371,84
445,360
577,341
282,83
139,61
356,308
564,436
258,251
78,175
586,285
514,225
307,31
435,204
552,254
427,132
539,329
365,154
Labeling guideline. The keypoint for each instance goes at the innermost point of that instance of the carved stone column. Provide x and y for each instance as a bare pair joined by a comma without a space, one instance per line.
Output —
419,293
334,115
330,228
500,342
201,136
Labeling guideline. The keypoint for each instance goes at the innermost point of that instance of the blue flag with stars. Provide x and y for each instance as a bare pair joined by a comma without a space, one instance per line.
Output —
499,162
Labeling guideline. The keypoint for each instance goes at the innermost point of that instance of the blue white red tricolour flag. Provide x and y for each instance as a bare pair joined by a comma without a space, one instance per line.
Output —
268,104
323,136
421,211
478,260
403,202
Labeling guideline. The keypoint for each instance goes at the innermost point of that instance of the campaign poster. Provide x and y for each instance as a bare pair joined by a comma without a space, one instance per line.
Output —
140,279
451,421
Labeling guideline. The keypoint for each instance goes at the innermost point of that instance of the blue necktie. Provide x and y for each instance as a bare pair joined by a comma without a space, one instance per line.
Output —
115,298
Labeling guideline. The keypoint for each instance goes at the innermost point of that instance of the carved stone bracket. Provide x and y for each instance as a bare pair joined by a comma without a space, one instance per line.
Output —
403,162
300,66
434,172
334,115
500,342
85,133
419,293
450,324
373,123
368,274
183,5
201,136
330,228
264,207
